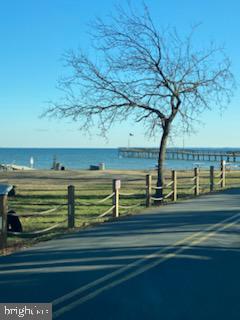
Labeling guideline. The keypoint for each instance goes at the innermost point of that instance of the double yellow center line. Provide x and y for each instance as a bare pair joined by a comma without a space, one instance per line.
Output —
158,257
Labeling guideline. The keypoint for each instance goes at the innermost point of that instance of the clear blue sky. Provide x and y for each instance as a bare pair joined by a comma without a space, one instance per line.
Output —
35,33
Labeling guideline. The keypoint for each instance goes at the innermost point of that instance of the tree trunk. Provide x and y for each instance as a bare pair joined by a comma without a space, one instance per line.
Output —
161,159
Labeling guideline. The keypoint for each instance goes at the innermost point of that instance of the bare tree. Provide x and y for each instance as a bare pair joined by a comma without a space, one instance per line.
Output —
145,74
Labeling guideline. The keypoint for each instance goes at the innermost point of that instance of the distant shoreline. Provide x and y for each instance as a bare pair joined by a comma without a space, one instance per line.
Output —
83,158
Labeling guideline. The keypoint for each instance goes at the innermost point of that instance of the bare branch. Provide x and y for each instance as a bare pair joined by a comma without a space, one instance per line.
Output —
144,73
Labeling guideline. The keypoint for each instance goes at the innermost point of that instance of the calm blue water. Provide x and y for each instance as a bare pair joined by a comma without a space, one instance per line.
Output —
83,158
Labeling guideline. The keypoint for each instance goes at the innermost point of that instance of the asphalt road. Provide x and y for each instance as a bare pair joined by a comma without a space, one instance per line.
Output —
177,262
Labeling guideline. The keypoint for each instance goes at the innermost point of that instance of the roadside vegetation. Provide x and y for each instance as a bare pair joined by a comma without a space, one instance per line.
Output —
39,191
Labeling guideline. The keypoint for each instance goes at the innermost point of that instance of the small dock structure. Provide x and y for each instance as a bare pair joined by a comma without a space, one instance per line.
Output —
181,154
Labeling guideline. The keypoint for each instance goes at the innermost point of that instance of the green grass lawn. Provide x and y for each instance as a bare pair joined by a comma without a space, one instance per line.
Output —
39,191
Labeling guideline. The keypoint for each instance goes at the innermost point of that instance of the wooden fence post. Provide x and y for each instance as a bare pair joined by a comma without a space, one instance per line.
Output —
174,185
223,173
3,221
196,175
71,207
148,190
116,187
211,178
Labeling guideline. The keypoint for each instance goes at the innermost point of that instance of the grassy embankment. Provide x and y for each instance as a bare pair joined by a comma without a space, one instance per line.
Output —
42,190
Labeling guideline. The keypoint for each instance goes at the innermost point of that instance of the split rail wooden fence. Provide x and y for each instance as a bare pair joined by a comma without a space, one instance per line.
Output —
192,186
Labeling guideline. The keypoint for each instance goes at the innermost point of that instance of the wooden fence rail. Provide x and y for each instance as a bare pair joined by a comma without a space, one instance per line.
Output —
194,188
170,191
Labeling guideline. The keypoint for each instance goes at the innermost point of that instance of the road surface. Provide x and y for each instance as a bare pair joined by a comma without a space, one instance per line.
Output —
176,262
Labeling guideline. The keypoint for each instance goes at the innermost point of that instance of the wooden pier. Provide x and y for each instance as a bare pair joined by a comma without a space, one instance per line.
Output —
181,154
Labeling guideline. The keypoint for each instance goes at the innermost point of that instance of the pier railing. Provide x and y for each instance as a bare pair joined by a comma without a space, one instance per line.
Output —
125,197
182,154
